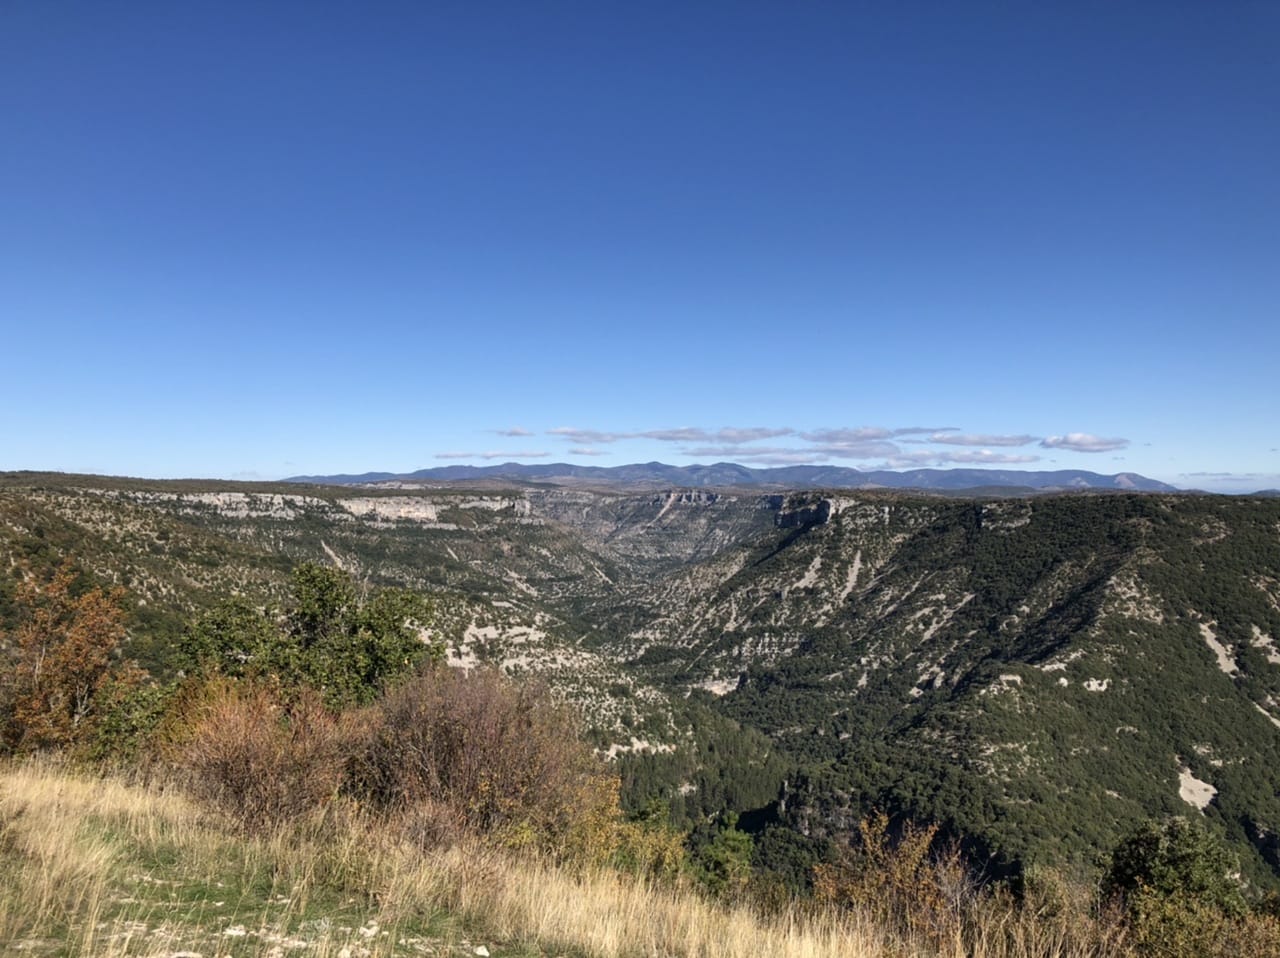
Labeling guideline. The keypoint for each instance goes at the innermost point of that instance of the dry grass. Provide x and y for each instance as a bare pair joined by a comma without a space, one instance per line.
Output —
611,915
93,866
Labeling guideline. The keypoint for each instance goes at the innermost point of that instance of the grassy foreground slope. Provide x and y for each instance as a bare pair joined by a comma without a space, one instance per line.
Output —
95,866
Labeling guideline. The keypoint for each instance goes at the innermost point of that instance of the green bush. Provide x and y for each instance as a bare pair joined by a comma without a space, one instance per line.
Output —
333,637
133,714
1181,890
720,857
1176,859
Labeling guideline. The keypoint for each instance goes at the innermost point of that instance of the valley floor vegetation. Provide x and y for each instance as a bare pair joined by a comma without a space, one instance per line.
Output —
312,780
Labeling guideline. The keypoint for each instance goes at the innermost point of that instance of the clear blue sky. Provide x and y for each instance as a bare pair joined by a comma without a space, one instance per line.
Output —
256,240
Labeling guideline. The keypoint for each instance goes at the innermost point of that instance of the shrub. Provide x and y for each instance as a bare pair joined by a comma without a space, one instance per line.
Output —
225,639
1182,893
346,642
133,711
453,749
66,653
259,760
721,856
1174,926
649,848
1176,859
903,883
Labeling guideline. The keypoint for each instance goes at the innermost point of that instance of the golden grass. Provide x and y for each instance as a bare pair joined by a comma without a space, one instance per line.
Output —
607,914
94,866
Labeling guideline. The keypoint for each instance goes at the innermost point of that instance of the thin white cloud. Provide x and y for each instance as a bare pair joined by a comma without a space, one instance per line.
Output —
843,435
893,456
736,434
787,459
680,434
846,434
911,460
867,449
493,454
921,430
587,435
1238,476
986,456
1233,482
727,434
1083,442
761,456
853,443
870,449
513,431
979,439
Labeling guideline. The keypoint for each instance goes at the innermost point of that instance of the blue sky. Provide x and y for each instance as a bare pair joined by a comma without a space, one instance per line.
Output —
258,240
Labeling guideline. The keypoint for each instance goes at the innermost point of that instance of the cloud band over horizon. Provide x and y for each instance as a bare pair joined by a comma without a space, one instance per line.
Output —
879,445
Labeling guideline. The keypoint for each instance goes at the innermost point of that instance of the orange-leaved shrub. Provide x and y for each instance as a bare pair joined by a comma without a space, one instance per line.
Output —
446,755
475,750
260,759
65,655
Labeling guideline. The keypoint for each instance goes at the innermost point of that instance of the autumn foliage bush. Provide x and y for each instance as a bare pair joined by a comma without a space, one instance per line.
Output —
258,759
65,668
474,750
445,754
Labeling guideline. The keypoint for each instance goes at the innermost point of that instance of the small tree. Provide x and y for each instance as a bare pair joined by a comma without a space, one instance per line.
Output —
347,646
1181,891
332,638
65,655
1177,859
721,860
225,639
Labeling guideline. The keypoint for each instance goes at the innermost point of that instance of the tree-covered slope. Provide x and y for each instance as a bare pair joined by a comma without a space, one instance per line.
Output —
1039,674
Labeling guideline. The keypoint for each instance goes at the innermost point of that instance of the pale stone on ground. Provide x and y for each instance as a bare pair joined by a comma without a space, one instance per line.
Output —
1193,791
1262,640
1225,662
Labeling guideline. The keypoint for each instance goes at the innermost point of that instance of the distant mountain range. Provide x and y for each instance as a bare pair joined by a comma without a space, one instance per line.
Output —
733,475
